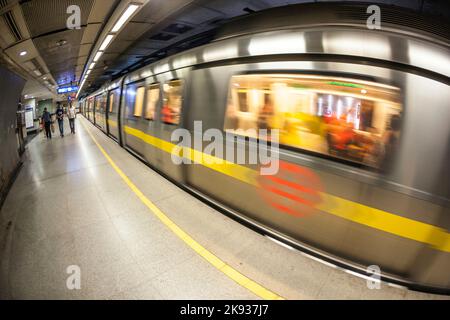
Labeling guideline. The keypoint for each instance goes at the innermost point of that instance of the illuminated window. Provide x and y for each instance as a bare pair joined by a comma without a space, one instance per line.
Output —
111,102
139,102
152,101
173,100
350,119
114,99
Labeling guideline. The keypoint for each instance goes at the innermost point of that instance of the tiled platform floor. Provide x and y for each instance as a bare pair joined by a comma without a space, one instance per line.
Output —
69,207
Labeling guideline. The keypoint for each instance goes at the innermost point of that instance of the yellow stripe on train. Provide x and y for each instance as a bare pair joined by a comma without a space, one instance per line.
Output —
434,236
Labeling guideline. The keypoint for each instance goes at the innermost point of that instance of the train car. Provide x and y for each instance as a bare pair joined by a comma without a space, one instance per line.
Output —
362,123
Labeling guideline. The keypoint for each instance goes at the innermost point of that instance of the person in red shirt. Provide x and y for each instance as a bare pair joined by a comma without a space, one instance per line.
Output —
166,113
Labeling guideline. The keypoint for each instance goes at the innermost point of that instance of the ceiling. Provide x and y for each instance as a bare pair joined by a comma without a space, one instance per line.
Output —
58,56
164,27
54,53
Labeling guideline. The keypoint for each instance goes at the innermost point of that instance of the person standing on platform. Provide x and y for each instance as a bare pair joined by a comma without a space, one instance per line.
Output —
60,118
47,121
71,114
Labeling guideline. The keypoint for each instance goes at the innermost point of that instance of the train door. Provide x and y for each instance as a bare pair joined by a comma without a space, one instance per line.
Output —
96,113
173,94
153,98
100,111
133,122
91,110
113,113
86,109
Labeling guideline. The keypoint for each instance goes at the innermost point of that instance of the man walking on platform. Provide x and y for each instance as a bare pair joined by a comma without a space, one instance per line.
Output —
71,114
47,121
60,118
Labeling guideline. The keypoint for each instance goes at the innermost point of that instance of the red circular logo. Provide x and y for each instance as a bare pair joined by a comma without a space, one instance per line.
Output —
294,190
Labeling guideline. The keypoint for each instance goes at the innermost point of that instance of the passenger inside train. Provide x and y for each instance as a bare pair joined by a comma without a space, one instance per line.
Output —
334,117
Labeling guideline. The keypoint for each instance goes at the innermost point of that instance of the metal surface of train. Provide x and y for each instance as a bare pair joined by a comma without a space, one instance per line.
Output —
363,117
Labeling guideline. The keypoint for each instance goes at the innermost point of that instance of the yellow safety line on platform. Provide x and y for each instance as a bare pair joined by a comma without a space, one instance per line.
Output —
229,271
436,237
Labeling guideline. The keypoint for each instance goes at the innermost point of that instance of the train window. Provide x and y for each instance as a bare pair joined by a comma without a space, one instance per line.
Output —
337,117
114,97
173,100
100,104
152,101
139,102
111,102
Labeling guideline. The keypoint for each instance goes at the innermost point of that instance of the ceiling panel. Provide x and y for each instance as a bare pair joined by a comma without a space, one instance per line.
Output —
133,30
85,49
90,33
156,10
119,46
61,59
199,15
101,10
46,16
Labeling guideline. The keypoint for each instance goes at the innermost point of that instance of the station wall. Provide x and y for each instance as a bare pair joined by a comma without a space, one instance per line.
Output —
11,87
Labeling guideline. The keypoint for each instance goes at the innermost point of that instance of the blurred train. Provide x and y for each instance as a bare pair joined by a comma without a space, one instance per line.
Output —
364,126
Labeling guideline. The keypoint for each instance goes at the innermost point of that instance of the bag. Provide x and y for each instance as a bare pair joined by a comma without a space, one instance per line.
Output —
52,127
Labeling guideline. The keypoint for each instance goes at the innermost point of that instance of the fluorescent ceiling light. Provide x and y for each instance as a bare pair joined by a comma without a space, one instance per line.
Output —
92,66
37,72
125,16
23,53
88,72
106,42
98,55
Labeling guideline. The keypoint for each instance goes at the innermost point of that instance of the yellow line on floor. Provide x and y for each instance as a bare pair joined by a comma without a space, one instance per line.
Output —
229,271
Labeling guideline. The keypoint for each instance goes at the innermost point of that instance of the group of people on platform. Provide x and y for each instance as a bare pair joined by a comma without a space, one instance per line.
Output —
47,120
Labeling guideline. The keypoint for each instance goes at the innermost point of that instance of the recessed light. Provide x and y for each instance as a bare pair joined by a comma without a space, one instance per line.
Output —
23,53
106,42
363,91
125,16
97,56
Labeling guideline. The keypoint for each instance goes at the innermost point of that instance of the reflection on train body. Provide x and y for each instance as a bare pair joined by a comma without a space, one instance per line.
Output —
362,147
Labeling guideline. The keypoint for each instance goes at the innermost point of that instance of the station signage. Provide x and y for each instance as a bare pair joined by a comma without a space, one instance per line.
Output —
63,90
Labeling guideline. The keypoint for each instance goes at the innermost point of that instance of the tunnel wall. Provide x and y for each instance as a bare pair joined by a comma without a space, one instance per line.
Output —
11,87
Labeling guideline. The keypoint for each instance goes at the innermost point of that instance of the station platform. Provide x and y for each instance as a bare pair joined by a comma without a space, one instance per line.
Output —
84,201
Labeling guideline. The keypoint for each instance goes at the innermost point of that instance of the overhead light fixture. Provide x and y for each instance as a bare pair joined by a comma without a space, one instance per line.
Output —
45,78
23,53
37,72
92,66
106,42
125,16
88,72
97,56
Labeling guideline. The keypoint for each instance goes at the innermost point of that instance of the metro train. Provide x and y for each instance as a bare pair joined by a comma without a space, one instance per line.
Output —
363,122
